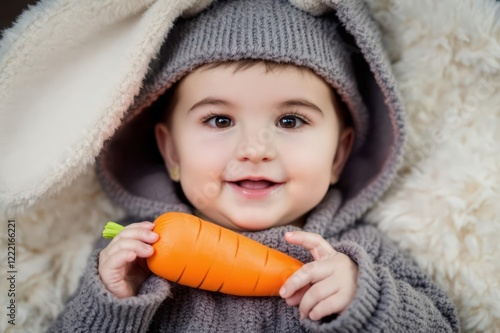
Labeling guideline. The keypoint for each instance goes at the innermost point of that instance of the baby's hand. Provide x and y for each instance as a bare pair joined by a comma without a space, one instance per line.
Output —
122,264
322,287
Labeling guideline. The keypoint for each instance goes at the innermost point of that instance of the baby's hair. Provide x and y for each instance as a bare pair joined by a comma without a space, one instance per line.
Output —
166,101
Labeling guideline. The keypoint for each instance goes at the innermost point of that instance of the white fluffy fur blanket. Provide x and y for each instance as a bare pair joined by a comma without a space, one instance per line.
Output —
444,208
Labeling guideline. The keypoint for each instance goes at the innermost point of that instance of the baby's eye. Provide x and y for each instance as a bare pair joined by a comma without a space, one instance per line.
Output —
219,121
291,121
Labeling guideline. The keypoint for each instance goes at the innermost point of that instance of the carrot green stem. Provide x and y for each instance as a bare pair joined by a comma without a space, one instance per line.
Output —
111,229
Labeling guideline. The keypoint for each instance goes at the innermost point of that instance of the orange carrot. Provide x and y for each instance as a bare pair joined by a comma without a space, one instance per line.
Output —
200,254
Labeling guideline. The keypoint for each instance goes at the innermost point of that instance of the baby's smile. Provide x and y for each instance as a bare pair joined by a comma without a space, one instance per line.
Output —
255,187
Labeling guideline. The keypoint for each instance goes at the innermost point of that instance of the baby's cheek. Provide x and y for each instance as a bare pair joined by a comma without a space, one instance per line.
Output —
202,193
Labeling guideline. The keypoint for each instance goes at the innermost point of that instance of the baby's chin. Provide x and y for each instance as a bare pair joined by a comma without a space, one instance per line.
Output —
241,225
247,223
226,221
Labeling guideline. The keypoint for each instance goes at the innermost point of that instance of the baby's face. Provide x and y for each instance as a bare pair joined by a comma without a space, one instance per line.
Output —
254,149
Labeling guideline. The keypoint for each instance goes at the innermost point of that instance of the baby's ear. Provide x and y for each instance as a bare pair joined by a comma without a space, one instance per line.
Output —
166,146
344,147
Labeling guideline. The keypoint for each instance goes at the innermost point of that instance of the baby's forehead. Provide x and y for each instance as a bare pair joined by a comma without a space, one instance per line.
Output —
243,74
306,85
299,73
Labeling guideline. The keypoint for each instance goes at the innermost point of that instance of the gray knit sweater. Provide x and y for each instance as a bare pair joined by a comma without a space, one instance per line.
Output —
393,295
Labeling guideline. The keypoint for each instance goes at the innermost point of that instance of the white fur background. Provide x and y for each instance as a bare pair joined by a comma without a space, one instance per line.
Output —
444,207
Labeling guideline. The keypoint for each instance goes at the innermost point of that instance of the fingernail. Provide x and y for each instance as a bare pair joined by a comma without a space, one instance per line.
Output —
302,315
283,292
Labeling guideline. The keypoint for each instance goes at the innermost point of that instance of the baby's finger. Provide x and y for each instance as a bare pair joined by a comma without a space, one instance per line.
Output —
336,303
297,296
120,259
140,231
318,293
141,249
314,243
308,274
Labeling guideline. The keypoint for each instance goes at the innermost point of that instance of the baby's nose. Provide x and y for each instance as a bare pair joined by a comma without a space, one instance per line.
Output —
259,148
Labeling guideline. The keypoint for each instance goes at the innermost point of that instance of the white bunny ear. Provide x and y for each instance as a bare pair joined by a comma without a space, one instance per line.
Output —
68,72
196,8
314,7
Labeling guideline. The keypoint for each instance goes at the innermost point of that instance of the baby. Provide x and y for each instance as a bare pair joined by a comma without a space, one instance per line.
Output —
255,117
257,186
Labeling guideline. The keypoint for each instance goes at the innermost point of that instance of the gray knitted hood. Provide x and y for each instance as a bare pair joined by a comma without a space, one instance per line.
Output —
132,171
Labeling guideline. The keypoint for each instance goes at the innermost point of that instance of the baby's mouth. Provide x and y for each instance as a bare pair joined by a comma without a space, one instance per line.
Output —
254,184
255,188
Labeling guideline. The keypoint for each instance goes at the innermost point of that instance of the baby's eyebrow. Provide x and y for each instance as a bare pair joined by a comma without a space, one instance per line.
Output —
290,103
210,101
300,102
